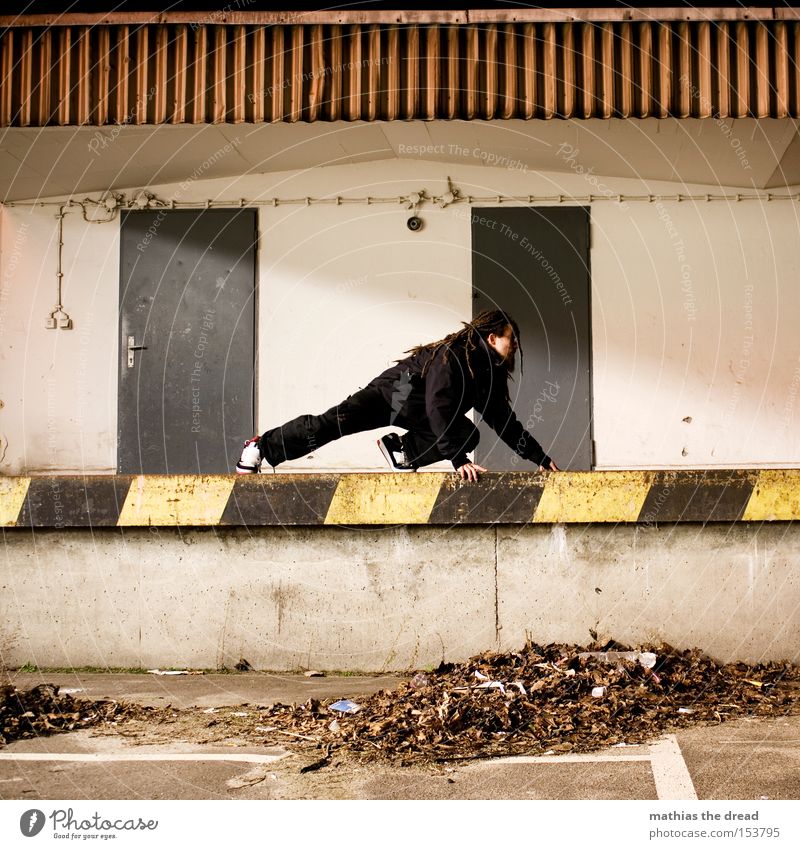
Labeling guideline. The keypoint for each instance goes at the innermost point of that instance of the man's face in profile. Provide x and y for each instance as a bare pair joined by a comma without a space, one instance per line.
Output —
506,346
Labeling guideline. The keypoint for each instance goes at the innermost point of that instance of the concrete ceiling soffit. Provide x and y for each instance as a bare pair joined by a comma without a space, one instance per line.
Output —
787,173
61,161
64,160
742,153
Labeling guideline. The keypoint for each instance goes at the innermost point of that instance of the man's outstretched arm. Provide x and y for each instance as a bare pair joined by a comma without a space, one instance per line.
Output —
502,419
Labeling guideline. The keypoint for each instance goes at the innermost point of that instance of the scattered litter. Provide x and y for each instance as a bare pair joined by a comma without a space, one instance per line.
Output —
210,710
314,673
491,685
646,658
488,684
174,672
345,706
598,692
754,683
243,666
335,726
419,681
685,710
299,736
69,691
240,713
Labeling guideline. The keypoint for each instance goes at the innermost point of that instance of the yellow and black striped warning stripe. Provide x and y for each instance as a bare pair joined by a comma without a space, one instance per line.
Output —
644,497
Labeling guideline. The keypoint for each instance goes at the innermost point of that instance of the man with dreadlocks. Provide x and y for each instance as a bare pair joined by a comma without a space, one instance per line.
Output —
428,394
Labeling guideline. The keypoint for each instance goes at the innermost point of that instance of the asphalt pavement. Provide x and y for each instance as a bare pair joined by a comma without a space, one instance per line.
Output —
750,758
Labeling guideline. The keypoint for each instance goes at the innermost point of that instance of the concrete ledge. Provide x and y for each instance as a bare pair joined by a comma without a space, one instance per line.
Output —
377,599
645,497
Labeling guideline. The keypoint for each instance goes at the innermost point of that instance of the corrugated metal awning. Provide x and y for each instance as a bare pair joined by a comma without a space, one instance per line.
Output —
157,73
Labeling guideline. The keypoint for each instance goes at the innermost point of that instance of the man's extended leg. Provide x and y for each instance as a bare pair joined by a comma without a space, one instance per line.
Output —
420,447
363,410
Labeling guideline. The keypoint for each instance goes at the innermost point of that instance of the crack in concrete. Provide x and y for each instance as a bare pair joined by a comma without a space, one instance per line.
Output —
496,593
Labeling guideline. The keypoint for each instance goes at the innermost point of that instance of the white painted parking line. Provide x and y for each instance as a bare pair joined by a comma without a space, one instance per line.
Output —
765,741
670,771
569,759
671,775
97,757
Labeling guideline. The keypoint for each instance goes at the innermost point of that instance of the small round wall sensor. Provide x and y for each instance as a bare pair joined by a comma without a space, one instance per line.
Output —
414,223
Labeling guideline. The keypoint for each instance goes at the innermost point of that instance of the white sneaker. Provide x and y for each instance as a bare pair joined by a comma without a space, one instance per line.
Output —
250,461
391,446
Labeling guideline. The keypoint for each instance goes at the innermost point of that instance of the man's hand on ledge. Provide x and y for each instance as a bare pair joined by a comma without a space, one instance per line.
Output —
469,471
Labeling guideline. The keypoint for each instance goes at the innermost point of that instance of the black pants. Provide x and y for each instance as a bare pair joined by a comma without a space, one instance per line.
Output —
366,409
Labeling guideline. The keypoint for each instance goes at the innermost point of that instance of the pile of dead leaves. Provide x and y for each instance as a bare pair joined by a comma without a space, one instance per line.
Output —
555,698
41,711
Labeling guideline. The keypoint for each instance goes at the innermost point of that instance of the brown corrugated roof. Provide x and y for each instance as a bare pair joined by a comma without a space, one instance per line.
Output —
243,12
227,73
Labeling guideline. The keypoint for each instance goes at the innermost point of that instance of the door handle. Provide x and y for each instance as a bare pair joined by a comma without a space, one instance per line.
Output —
132,346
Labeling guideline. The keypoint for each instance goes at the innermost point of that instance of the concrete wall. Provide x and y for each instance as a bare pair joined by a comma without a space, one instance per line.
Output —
696,358
369,599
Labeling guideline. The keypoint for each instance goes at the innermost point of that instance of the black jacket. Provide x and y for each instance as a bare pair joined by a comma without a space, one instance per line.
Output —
448,391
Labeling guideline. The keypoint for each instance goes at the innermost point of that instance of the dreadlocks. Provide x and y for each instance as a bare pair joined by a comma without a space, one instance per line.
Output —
489,321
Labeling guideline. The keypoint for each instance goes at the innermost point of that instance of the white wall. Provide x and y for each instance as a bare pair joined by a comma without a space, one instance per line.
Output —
58,388
696,349
694,313
343,292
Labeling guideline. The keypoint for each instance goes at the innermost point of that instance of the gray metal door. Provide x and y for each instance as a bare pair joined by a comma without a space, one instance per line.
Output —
187,340
533,262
